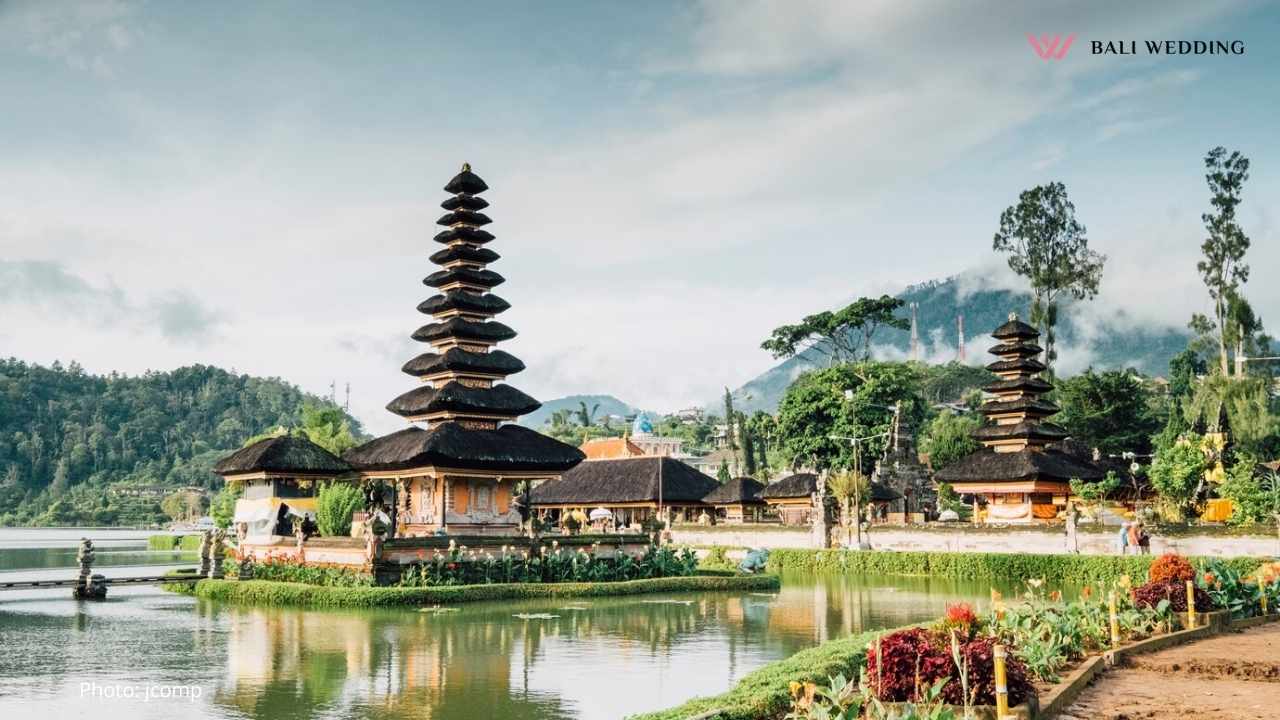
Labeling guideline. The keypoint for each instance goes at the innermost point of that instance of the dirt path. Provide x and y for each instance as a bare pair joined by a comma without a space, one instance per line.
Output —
1230,677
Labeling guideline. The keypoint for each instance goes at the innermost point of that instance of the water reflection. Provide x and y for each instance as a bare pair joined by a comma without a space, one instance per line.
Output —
597,658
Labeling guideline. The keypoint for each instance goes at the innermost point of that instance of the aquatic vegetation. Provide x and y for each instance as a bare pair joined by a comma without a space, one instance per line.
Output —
554,564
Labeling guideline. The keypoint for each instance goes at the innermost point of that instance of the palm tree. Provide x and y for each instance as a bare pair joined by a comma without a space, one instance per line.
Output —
587,417
849,487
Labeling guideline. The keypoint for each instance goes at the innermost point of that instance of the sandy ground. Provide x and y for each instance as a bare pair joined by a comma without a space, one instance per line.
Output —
1231,677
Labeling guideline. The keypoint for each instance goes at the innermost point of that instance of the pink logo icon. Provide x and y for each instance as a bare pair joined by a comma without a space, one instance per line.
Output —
1051,48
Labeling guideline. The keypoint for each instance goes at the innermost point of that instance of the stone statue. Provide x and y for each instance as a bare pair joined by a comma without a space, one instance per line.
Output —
206,542
218,551
88,586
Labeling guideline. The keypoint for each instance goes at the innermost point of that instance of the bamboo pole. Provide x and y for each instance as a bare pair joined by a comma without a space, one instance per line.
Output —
1115,622
1191,604
1002,685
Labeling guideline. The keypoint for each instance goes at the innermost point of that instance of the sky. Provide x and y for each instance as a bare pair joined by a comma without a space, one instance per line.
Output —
254,185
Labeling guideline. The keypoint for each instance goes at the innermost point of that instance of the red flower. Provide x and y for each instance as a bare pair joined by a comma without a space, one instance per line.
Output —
961,614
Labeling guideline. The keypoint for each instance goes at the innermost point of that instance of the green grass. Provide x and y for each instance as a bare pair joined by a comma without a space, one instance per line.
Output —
1073,569
765,693
174,542
268,592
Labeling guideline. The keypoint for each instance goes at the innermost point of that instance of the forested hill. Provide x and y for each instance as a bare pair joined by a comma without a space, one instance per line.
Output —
87,449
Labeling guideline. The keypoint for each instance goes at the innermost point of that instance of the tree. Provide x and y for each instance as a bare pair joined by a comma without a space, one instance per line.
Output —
815,407
1092,494
1177,475
842,335
223,507
328,426
1110,410
1254,491
1238,405
748,448
335,506
175,505
948,438
1184,368
722,474
586,417
1047,246
1222,268
730,416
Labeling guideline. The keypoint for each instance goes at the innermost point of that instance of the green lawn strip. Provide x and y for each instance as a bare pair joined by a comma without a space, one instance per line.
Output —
267,592
1073,569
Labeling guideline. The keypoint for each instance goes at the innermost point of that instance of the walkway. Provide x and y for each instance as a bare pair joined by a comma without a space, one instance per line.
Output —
1230,677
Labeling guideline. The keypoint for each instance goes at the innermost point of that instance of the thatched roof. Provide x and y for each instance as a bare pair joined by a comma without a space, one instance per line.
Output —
1025,430
1022,364
1015,329
494,362
486,304
502,400
601,482
792,486
463,201
1016,349
884,493
283,454
464,253
465,233
464,217
1027,384
449,445
470,276
456,327
739,490
1027,464
1031,406
466,182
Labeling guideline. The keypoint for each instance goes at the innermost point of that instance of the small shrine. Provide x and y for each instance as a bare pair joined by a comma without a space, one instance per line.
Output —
1018,475
462,467
279,477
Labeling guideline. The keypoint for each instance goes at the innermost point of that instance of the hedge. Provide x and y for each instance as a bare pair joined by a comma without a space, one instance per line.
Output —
269,592
766,693
1071,569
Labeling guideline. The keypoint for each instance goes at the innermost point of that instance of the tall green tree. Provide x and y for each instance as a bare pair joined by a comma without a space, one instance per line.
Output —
1047,246
842,335
1222,268
949,437
816,406
1110,410
586,418
748,448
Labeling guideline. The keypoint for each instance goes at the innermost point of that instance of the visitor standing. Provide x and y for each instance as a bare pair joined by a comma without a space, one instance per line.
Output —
1123,538
1135,537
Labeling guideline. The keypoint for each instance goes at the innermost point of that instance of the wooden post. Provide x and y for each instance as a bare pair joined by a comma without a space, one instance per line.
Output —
1002,684
1191,604
1115,621
1263,599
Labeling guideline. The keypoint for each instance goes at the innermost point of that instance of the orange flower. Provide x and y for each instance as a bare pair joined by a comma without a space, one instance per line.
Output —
1209,578
1086,592
1055,596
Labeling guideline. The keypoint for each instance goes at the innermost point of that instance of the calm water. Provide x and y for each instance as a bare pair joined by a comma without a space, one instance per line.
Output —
594,659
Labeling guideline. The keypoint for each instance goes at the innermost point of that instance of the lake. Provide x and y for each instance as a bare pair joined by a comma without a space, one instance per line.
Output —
145,653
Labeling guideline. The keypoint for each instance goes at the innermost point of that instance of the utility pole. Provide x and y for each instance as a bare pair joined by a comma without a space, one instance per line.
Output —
346,407
915,334
960,330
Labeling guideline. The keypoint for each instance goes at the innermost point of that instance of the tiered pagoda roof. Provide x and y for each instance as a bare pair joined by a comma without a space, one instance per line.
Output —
462,399
1016,437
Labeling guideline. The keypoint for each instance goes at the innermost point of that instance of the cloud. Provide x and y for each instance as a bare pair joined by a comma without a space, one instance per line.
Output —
49,288
82,34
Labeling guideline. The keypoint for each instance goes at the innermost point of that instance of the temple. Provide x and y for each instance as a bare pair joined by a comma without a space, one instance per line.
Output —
278,478
1019,475
467,466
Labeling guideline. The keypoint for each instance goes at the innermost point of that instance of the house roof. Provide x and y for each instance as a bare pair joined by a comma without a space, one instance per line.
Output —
455,359
737,490
1015,329
625,480
450,445
282,454
610,448
986,465
792,486
499,400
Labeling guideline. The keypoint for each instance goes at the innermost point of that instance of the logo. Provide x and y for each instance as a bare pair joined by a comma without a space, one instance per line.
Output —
1051,48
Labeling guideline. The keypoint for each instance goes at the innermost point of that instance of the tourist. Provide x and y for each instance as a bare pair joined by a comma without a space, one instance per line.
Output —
1144,540
1124,537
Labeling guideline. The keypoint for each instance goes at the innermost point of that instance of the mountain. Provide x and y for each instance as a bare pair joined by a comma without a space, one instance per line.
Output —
1118,342
79,449
609,405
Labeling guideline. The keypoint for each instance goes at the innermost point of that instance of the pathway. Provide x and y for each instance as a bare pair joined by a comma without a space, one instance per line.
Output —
1230,677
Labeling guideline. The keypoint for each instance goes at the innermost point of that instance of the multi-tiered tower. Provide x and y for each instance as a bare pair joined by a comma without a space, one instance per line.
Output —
1019,473
460,470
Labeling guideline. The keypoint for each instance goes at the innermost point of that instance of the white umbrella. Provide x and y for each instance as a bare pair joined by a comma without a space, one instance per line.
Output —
600,514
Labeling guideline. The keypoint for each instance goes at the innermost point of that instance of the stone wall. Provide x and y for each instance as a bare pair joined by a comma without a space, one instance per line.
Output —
969,539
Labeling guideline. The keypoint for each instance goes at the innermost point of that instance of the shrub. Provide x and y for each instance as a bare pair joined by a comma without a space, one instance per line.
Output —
335,506
1171,567
915,659
1175,591
189,542
162,542
462,566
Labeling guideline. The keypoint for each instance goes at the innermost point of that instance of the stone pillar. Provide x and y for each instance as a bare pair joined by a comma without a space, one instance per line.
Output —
206,541
1073,541
218,552
820,536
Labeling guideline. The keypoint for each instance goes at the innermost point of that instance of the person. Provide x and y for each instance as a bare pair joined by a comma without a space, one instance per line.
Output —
1135,537
1144,540
1124,537
309,527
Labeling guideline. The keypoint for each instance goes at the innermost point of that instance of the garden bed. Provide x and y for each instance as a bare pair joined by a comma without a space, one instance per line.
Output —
269,592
